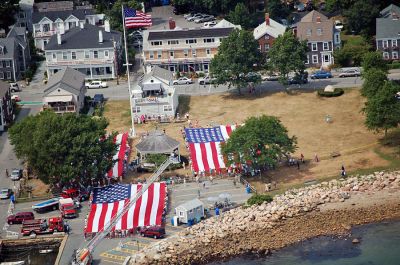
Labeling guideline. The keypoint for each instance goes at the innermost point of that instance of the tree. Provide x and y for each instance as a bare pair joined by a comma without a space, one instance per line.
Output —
374,81
277,9
65,147
240,16
8,9
383,110
262,140
288,54
352,52
237,55
374,60
361,17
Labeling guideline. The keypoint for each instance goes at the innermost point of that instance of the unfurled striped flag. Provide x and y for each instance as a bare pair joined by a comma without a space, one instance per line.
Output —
136,19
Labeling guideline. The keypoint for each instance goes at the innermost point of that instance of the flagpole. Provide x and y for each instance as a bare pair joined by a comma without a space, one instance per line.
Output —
132,133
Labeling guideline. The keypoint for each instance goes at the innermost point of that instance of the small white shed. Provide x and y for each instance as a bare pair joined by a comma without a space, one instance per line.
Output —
191,210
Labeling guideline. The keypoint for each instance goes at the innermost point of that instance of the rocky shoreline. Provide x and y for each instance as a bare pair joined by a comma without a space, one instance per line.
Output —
329,208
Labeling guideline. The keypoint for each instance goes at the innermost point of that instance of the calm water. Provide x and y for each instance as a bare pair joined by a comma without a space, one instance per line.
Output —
380,245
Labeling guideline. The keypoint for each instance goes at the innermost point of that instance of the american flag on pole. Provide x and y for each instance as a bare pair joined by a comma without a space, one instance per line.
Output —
109,201
136,19
205,146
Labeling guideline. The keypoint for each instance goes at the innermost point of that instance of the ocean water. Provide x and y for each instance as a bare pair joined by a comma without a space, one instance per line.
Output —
379,245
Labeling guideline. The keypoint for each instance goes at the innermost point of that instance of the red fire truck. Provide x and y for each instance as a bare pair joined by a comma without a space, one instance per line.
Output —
42,226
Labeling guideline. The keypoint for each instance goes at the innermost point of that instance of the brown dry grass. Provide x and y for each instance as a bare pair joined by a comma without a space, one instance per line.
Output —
304,116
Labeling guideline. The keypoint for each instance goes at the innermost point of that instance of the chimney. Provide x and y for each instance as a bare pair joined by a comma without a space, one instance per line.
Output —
318,19
58,38
107,25
100,36
267,19
81,25
171,23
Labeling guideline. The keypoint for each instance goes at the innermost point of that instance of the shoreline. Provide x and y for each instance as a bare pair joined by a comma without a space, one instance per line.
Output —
326,209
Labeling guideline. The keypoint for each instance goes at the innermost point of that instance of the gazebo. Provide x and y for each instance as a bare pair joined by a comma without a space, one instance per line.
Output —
157,142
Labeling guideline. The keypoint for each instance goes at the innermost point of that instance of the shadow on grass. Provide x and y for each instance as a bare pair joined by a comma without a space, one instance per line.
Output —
184,105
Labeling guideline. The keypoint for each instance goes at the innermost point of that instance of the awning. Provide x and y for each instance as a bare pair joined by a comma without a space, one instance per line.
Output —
67,98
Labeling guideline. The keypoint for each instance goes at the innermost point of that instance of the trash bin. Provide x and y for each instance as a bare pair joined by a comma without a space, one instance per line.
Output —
190,222
217,211
248,190
172,221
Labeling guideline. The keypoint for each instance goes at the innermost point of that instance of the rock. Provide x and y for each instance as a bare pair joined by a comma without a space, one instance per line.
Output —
156,257
355,241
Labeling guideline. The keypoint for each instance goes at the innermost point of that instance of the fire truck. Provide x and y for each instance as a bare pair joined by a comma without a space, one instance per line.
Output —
68,208
42,226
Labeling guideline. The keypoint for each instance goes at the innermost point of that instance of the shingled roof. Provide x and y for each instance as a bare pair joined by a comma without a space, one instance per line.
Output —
157,143
315,27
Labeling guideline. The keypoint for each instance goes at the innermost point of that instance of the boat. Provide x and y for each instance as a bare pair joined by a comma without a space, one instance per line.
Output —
48,205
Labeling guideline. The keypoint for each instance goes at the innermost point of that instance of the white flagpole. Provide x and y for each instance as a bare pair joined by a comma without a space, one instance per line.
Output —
132,133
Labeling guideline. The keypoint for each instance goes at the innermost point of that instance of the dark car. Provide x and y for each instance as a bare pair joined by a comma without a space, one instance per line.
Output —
153,231
298,79
98,99
18,218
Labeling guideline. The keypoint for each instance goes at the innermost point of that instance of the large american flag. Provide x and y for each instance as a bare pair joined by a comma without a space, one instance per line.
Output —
136,19
118,168
109,201
205,146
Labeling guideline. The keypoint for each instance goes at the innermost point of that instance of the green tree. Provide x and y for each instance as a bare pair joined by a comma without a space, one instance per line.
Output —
361,17
374,60
240,16
288,54
352,52
156,159
277,9
8,9
383,110
374,81
60,148
237,55
262,140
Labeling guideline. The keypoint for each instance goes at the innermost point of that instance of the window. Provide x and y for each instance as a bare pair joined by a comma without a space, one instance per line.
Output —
8,75
21,14
95,54
65,56
326,46
385,43
308,32
167,108
136,109
159,54
208,51
190,211
106,54
8,64
315,58
54,55
327,58
385,55
45,42
151,55
1,75
173,42
209,40
191,41
314,46
156,43
319,32
171,54
87,54
185,53
395,55
308,60
73,55
194,52
266,47
266,37
394,43
46,27
337,38
181,214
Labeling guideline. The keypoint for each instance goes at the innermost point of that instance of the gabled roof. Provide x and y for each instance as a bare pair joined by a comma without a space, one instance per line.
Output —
319,31
387,28
19,33
312,17
63,15
161,73
4,87
226,24
9,45
68,79
188,33
274,29
86,38
389,11
191,204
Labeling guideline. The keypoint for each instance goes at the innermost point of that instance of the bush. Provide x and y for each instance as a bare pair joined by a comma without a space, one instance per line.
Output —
394,65
259,199
336,93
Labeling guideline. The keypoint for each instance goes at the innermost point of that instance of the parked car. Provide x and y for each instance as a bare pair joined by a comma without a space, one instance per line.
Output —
153,231
16,98
210,24
98,99
14,87
350,73
321,75
16,174
300,7
204,19
182,81
206,80
96,84
271,77
191,14
298,80
253,77
19,217
195,16
76,194
338,25
5,193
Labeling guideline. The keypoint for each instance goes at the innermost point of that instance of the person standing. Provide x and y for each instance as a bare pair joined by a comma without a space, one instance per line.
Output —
316,159
198,193
302,158
7,174
298,164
